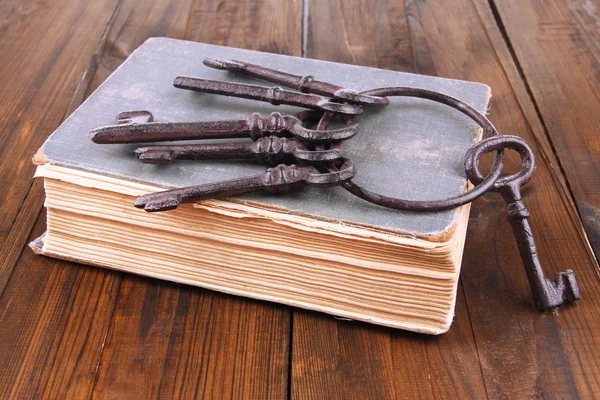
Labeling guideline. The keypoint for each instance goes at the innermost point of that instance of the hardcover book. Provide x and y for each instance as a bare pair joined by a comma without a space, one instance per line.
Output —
319,249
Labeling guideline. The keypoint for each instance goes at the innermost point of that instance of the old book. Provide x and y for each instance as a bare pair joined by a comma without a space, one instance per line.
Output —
320,249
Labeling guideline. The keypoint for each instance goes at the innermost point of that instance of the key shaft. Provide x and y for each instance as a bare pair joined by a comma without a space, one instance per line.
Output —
274,95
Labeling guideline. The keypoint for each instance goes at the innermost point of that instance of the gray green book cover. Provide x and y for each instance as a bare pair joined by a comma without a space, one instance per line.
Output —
412,149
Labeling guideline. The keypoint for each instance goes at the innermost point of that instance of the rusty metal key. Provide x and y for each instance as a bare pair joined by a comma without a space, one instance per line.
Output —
282,178
547,294
274,95
272,150
305,84
140,127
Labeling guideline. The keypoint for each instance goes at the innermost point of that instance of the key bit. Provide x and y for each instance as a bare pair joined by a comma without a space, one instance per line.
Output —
282,178
274,95
270,149
139,127
305,84
547,294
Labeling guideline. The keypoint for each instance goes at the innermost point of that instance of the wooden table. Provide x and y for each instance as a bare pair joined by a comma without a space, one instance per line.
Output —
71,331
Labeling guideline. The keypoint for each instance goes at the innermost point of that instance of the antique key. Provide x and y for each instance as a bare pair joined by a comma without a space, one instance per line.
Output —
274,95
546,293
139,127
305,84
272,150
282,178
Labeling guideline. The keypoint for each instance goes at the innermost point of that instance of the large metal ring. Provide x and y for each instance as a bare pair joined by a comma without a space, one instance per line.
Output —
431,205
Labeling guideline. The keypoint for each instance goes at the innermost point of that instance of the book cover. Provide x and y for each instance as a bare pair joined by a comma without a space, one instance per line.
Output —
411,149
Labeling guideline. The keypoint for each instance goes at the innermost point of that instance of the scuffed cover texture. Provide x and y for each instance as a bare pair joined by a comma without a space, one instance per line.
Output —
412,149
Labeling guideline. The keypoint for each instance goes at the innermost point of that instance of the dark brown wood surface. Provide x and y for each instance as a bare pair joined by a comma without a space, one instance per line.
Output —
72,331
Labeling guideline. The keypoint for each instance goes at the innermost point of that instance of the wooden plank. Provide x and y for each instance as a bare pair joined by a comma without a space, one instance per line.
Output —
338,359
134,23
578,339
523,352
53,318
19,221
265,25
175,341
557,45
46,302
16,239
360,32
335,359
49,357
455,42
45,48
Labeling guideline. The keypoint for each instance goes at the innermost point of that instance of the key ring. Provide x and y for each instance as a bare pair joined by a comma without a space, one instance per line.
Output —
431,205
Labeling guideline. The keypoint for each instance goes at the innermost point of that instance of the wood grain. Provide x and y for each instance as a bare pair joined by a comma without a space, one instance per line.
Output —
76,331
173,341
557,45
133,24
45,48
53,316
51,59
49,311
372,34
